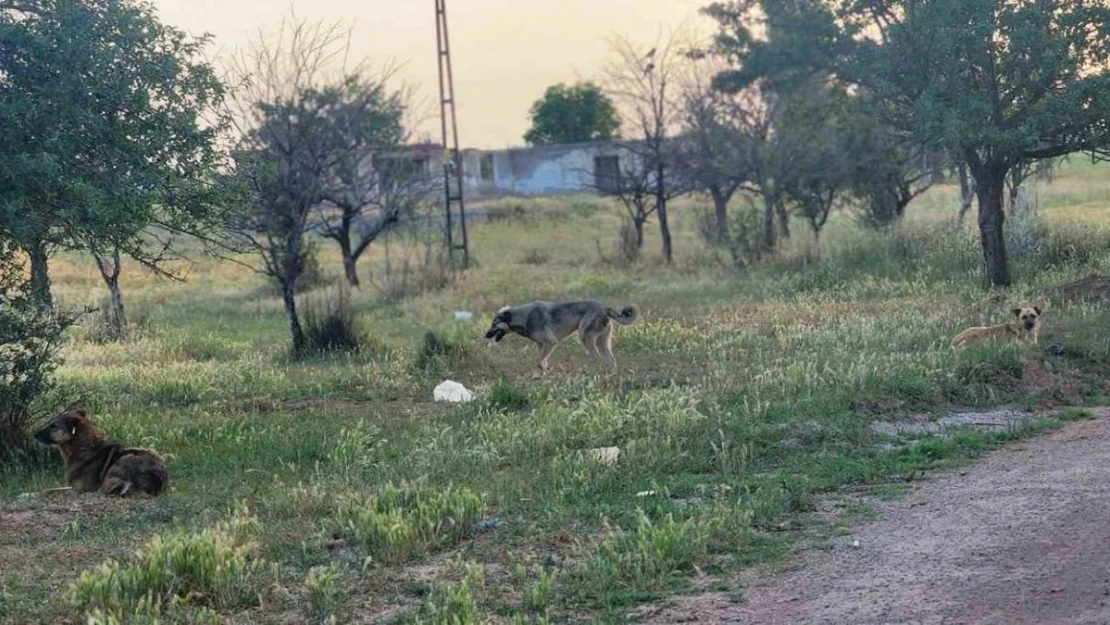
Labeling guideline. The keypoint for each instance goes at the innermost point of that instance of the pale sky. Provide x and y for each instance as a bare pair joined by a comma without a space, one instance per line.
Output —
505,52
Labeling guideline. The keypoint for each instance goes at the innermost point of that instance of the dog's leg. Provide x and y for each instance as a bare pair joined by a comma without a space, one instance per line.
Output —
548,343
606,343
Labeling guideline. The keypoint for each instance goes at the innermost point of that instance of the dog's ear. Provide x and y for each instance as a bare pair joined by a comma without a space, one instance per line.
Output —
1038,309
1017,312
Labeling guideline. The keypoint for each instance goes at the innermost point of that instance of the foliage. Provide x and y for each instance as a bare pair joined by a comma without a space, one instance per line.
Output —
104,132
572,114
995,83
30,337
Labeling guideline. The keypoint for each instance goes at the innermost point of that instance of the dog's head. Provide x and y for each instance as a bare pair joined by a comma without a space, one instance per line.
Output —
500,326
1028,317
65,428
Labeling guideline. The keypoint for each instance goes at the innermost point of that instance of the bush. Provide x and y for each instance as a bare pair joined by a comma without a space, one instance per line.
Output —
30,337
216,568
329,324
505,395
401,523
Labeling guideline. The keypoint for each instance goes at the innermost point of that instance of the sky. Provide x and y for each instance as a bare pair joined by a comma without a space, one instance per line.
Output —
504,52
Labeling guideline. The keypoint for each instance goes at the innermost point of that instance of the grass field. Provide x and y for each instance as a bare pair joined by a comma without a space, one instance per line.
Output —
335,489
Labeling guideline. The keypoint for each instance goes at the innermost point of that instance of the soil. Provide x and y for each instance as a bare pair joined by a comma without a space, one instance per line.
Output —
1021,537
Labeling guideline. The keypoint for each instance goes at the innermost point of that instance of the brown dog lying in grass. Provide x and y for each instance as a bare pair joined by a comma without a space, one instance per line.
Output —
1026,328
96,463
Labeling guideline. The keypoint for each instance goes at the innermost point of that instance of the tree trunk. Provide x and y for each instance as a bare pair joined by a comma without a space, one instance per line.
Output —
967,193
720,213
990,187
769,235
300,342
661,209
783,219
638,225
349,260
110,273
40,274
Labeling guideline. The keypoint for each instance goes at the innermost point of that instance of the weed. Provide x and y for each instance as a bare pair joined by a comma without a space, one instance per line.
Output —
325,591
401,523
216,567
455,604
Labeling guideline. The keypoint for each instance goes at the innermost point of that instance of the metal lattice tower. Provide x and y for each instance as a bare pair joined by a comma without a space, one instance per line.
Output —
454,210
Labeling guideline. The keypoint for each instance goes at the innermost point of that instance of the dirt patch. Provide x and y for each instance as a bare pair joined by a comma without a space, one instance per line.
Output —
1092,287
1003,420
1021,537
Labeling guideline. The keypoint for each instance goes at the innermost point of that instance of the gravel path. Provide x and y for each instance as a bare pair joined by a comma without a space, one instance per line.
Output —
1023,536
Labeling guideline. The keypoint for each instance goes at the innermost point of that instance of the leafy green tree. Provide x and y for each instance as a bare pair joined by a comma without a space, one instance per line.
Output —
572,114
104,146
995,83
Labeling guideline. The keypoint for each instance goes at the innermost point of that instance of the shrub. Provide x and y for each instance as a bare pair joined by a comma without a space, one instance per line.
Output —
505,395
30,337
217,568
329,324
400,523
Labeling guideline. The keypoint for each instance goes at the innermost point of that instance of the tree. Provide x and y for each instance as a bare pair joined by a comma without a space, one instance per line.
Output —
714,154
995,83
372,185
572,114
102,121
286,152
888,169
644,85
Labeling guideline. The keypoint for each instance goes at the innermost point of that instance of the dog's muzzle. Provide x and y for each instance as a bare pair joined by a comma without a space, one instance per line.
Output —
1030,324
496,333
43,435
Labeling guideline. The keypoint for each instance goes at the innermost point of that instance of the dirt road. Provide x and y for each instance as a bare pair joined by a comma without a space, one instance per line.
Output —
1023,536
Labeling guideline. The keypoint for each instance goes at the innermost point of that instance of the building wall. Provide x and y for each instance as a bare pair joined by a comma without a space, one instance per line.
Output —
536,171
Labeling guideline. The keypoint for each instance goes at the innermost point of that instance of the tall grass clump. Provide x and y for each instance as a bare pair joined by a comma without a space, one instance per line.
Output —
399,523
645,559
330,325
325,591
455,604
217,568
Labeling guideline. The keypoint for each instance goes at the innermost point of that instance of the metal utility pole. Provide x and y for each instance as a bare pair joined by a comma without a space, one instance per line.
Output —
453,168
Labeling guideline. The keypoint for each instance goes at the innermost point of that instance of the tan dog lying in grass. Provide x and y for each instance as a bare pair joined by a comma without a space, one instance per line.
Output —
1026,328
94,462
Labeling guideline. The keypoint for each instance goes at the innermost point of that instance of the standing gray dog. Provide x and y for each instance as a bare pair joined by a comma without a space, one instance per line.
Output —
547,323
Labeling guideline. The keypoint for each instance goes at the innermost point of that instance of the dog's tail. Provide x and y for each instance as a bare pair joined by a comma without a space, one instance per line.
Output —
624,317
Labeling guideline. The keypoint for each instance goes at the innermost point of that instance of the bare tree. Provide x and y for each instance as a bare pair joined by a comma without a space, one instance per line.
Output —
644,85
373,184
283,154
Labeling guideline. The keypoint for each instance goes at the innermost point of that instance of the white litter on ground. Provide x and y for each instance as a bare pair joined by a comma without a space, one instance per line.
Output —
453,392
463,315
